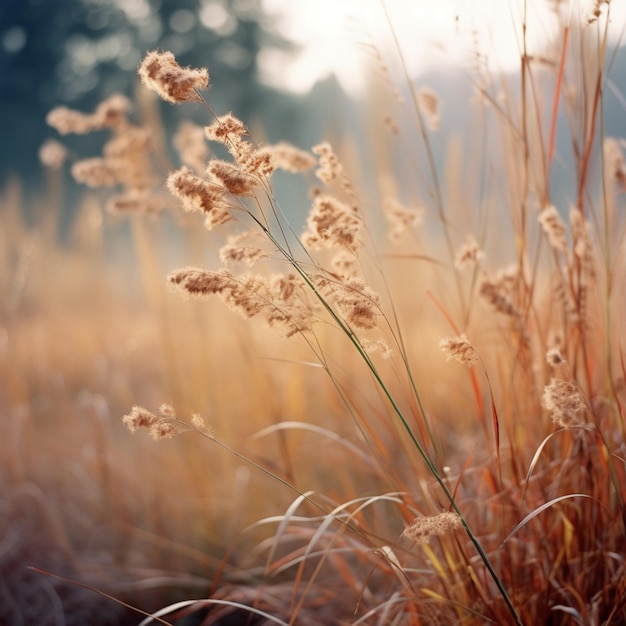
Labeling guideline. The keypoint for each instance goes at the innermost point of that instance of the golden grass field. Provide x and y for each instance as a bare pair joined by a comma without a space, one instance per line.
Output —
413,415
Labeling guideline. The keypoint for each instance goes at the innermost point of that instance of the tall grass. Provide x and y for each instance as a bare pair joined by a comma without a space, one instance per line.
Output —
349,473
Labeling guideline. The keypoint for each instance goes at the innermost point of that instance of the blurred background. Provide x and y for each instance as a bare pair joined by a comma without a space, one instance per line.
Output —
296,69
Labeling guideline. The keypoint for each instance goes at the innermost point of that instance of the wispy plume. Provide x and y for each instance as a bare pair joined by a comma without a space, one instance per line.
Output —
160,72
423,529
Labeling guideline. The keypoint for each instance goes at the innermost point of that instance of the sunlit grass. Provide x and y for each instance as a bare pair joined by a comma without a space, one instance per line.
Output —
415,419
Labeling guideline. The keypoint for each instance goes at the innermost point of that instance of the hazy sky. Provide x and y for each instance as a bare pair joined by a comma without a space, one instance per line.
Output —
433,33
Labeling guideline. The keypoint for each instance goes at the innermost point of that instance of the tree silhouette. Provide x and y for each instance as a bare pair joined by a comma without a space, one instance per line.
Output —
76,52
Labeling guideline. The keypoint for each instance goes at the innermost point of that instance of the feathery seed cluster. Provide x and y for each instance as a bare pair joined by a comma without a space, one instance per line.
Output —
160,72
423,529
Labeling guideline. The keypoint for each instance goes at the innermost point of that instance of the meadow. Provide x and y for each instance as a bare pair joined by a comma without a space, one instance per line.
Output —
405,408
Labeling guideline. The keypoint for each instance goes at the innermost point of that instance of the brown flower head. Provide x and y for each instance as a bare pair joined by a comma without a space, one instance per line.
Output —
199,282
554,357
497,292
423,529
95,172
565,403
291,159
225,129
67,121
469,254
113,111
161,426
242,248
553,227
329,166
195,193
332,224
160,72
232,178
459,348
356,301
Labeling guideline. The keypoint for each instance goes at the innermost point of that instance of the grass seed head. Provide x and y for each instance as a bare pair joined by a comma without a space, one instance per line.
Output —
232,178
162,426
460,349
332,223
553,227
469,254
565,403
160,72
423,529
196,194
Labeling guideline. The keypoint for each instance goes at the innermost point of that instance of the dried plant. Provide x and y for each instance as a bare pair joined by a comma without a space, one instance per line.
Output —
524,454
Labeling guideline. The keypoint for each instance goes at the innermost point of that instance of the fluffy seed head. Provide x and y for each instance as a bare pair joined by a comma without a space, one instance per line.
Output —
469,254
232,178
258,162
459,348
162,426
423,529
495,292
554,357
291,159
226,128
565,403
95,172
67,121
277,298
329,166
332,224
199,282
238,249
195,193
218,216
553,227
160,72
113,111
109,113
356,301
